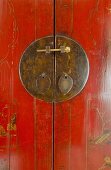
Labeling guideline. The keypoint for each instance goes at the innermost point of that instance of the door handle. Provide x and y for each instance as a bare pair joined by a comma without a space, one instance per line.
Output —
62,49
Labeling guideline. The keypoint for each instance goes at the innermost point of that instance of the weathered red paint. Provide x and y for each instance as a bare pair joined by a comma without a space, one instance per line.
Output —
86,23
76,122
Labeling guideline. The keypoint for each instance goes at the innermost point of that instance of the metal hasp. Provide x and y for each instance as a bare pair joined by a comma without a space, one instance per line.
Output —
62,49
54,75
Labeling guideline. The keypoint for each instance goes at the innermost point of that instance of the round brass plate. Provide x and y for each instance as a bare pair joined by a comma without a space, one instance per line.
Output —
43,73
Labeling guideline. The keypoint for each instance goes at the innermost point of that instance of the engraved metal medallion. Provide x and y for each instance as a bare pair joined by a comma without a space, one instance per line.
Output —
51,74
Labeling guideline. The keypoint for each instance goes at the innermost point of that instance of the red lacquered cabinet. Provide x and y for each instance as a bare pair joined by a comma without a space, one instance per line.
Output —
73,134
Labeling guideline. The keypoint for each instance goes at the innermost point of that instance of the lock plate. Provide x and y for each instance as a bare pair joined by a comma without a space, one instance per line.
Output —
57,75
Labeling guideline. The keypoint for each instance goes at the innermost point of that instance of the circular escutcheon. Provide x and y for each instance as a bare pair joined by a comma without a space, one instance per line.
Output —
54,76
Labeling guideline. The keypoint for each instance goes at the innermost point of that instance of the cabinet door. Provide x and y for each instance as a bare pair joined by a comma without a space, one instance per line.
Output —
67,135
82,125
25,122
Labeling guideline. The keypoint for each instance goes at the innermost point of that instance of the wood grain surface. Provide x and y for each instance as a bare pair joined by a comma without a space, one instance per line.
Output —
75,134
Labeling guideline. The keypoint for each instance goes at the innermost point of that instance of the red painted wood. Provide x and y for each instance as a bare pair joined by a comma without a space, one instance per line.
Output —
22,22
77,121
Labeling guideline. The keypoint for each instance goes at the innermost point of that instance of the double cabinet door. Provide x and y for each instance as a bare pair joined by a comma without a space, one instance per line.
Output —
55,85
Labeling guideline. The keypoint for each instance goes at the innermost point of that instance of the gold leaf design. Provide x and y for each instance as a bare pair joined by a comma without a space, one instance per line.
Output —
107,163
2,131
12,124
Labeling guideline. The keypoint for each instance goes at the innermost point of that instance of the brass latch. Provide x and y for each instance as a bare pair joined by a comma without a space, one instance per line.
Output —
62,49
